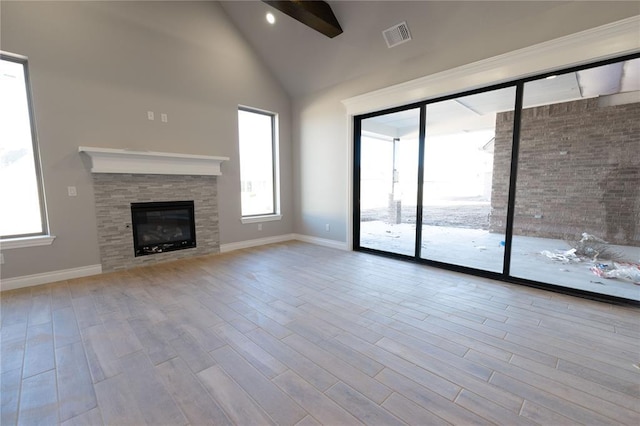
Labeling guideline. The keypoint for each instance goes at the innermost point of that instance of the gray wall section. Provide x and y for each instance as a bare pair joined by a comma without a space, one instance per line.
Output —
321,127
97,68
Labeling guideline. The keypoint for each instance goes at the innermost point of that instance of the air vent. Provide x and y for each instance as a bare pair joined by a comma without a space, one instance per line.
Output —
397,34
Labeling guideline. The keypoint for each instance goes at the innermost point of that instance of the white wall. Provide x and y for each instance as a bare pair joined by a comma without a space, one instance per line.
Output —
97,68
322,134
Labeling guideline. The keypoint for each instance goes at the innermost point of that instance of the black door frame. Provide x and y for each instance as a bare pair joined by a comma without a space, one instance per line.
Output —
505,275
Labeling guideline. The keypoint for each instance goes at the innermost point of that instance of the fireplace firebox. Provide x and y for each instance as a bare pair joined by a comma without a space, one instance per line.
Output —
163,226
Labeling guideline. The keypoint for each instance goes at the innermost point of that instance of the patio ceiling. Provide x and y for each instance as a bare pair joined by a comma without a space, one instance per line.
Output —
478,112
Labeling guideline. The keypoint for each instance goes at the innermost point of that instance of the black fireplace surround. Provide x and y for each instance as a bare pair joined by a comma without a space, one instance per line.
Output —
163,226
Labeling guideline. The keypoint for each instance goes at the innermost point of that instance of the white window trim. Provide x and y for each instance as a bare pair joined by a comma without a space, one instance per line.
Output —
262,218
22,242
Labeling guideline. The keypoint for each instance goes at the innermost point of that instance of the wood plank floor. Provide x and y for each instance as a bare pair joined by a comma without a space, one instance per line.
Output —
297,334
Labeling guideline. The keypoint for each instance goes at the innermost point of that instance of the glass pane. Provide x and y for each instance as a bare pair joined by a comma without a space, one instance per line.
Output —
21,213
466,179
577,220
388,182
256,163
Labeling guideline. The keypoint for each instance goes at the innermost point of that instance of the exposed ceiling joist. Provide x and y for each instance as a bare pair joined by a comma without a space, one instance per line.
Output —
314,14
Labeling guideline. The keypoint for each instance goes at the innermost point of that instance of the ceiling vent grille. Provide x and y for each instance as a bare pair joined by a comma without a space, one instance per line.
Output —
397,34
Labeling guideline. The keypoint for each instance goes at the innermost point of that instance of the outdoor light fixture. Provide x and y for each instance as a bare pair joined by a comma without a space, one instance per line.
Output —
270,18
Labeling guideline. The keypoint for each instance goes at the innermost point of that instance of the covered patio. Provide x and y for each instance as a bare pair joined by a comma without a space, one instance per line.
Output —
481,249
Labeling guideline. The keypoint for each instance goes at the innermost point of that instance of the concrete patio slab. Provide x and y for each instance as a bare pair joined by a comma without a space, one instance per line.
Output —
483,250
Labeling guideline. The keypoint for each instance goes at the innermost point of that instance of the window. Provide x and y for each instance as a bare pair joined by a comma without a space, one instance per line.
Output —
258,165
22,212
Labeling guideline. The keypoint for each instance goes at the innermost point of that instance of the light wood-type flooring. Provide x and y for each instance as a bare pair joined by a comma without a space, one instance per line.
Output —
298,334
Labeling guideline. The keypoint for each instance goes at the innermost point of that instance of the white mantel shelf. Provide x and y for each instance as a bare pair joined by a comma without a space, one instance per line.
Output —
109,160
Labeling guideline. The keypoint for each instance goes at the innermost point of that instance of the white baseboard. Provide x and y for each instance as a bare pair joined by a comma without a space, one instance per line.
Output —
224,248
85,271
340,245
49,277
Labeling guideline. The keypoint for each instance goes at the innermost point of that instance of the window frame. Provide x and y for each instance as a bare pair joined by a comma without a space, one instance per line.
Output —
42,237
275,155
506,274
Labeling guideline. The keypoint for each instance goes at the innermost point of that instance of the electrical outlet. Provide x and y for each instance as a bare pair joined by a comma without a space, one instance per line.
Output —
259,227
150,115
72,191
163,117
327,227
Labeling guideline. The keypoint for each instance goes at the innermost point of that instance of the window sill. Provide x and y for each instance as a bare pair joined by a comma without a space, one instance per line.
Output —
13,243
265,218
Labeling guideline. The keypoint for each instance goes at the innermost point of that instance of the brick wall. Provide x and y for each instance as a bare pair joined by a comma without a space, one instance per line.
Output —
114,194
578,171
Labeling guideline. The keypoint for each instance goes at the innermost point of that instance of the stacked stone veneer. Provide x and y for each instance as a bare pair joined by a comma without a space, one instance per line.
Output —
578,171
114,194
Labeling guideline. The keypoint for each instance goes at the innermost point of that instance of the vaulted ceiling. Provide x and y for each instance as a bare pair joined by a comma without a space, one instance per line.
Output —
305,61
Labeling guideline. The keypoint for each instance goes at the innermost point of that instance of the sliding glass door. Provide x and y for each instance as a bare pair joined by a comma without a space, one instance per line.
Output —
467,152
577,204
535,182
389,182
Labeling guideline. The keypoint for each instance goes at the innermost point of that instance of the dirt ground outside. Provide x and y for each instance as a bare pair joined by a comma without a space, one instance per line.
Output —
469,216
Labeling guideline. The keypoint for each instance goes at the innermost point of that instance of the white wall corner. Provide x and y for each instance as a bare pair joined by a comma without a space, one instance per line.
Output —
49,277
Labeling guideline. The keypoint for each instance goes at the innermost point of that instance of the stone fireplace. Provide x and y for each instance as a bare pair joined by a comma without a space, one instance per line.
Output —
145,177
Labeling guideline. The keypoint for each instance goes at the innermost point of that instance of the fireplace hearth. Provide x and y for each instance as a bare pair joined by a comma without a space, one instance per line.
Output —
160,227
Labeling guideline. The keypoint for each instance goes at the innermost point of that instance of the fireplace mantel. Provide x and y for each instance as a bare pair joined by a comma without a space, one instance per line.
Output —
109,160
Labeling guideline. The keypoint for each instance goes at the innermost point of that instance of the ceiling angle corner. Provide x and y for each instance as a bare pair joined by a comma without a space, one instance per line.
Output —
313,13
